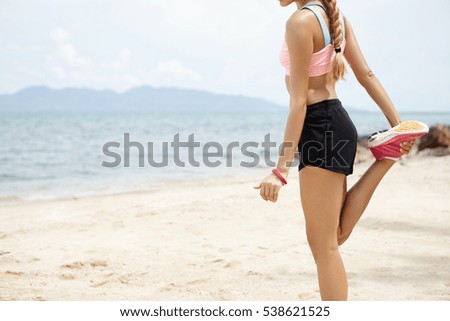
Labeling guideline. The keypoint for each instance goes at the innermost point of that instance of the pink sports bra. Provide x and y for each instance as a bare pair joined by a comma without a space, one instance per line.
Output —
321,61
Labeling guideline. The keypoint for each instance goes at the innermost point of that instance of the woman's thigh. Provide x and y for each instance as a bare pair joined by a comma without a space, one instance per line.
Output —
322,193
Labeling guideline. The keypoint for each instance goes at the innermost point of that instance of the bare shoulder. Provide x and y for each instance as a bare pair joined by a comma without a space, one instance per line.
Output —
300,21
347,24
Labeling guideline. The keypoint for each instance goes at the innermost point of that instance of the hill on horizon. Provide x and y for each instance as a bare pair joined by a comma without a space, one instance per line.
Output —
138,99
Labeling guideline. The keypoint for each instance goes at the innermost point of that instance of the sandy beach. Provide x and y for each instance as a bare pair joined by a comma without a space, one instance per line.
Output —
218,240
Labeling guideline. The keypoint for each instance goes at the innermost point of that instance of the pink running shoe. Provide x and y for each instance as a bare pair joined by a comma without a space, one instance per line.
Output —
386,143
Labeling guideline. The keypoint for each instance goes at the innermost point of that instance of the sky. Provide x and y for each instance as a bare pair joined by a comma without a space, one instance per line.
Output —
229,47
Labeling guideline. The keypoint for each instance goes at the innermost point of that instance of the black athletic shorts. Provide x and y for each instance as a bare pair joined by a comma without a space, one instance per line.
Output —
328,138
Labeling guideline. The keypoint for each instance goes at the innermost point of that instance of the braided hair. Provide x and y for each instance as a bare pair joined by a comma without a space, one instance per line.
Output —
339,69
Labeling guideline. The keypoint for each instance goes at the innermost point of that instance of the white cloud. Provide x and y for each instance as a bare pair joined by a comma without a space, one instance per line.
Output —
220,46
60,35
68,67
66,52
59,72
121,63
174,71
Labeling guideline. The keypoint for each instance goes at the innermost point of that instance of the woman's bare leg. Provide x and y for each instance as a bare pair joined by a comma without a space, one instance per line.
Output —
321,193
358,197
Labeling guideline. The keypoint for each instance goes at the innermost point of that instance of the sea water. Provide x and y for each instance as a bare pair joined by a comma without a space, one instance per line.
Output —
53,155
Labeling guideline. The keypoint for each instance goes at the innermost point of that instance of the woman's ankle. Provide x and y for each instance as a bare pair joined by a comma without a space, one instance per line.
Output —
386,162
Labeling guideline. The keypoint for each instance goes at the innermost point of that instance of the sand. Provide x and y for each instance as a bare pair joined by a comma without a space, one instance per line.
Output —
218,240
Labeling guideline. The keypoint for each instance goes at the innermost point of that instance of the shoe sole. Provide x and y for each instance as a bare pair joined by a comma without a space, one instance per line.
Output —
388,141
409,129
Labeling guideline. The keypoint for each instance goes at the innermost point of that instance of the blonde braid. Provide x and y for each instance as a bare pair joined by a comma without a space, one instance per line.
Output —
336,33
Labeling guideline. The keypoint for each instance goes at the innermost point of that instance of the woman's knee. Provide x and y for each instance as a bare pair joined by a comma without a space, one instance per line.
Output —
322,248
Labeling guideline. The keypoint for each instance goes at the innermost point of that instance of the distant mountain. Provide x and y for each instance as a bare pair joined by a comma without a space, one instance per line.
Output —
140,99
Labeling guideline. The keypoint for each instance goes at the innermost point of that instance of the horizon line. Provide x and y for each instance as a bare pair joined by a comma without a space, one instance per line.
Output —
202,90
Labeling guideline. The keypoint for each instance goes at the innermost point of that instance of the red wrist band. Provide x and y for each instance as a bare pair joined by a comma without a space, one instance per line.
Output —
278,174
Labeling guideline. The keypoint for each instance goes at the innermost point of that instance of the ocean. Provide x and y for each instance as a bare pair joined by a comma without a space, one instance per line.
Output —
64,155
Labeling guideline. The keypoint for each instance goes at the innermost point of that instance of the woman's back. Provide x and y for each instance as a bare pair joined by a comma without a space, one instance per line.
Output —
321,84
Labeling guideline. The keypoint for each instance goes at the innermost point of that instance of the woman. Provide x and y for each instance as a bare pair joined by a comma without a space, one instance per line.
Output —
318,37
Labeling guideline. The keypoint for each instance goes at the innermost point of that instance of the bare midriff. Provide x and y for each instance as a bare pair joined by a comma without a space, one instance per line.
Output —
320,88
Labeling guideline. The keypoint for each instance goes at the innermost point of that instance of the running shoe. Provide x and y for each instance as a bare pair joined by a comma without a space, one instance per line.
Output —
386,143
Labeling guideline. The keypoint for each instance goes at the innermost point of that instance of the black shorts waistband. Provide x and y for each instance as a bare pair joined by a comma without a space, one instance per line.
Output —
326,103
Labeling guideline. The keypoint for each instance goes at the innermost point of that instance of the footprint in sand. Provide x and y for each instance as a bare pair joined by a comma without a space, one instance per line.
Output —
109,278
194,282
9,259
73,265
13,273
3,235
266,277
98,263
306,296
169,287
124,279
66,277
231,264
80,265
147,213
253,273
175,285
100,277
98,284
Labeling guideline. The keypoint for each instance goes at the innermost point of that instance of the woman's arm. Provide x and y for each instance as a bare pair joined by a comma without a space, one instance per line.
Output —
299,39
366,78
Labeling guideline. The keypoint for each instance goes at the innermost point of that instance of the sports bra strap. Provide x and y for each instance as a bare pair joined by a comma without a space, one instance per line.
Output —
317,3
341,16
323,24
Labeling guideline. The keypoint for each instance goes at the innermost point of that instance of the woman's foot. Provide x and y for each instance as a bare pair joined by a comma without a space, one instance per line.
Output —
387,144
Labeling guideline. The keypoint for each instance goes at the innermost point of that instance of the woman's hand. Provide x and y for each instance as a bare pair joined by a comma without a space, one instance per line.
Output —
405,147
269,188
